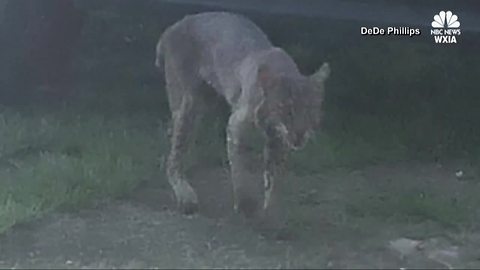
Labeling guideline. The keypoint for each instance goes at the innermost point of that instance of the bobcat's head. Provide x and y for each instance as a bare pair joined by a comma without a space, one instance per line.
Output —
292,105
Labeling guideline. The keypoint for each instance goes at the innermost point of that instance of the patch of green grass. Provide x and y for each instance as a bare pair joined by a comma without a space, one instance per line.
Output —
68,161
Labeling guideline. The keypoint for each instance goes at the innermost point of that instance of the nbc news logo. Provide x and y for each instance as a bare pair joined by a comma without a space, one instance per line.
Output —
446,27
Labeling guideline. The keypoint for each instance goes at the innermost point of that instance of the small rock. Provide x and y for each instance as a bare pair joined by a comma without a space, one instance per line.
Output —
405,246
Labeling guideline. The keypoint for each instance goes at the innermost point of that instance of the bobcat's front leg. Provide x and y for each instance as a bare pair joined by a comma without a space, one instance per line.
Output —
274,217
246,193
274,161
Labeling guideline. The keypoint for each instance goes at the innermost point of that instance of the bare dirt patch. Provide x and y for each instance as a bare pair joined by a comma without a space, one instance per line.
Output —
337,222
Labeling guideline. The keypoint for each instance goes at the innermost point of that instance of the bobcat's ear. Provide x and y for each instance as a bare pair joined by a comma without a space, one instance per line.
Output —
321,75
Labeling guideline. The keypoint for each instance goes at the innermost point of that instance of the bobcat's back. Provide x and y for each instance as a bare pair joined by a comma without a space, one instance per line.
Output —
215,44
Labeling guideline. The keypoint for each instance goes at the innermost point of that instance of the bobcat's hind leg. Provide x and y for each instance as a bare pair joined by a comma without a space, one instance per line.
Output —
183,120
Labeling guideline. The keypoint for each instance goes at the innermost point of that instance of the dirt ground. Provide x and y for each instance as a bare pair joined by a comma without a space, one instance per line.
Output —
144,231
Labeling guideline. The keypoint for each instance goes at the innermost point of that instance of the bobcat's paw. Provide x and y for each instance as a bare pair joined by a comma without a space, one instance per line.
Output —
187,201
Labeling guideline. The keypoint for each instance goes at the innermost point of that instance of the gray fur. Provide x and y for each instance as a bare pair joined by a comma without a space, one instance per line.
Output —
260,82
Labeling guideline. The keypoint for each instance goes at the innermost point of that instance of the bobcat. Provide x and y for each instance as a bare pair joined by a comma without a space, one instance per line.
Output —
261,84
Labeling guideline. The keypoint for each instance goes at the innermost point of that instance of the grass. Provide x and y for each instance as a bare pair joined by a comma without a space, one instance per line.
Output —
67,161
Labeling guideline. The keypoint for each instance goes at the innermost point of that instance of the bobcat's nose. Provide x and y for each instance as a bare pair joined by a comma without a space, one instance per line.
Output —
292,140
293,143
300,141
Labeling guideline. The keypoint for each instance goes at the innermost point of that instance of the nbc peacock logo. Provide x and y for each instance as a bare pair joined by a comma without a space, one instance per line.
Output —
447,19
445,27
